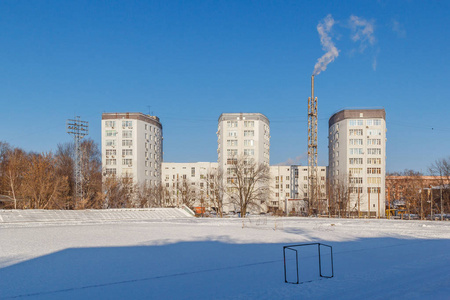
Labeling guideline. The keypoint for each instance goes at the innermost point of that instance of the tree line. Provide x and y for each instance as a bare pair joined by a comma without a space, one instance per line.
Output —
30,180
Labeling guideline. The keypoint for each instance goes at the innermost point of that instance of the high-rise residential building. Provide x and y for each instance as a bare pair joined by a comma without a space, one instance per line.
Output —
357,160
132,147
242,135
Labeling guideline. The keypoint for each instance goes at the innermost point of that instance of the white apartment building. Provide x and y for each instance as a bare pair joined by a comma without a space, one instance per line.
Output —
174,175
357,158
242,134
290,183
132,147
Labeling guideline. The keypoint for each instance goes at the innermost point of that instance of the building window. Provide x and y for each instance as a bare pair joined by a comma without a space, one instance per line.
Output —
373,131
356,142
356,180
373,142
248,143
356,190
373,170
232,143
127,142
356,151
355,161
374,161
192,172
110,123
110,151
249,123
110,142
374,151
127,162
232,152
127,123
355,132
111,133
353,171
249,152
127,151
249,133
111,171
355,122
232,124
110,162
232,133
373,190
127,134
374,180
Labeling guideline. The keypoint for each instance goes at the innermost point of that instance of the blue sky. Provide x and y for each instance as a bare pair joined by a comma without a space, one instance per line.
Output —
189,61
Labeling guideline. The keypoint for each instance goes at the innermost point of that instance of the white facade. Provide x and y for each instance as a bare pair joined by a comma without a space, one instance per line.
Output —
291,183
195,174
357,158
132,147
242,135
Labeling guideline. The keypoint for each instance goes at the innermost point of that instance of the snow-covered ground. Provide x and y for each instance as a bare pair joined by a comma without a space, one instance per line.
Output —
189,258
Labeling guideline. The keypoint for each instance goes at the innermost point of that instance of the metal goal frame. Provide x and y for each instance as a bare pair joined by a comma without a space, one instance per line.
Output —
292,248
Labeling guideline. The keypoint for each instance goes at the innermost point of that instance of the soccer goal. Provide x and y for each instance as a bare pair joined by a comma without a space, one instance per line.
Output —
322,250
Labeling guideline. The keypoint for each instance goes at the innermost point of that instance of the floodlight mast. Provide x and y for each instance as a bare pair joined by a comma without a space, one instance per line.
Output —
79,129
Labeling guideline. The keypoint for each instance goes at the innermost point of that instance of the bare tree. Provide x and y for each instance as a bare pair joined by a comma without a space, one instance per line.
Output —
15,165
91,170
248,183
186,190
441,168
42,185
341,192
215,188
118,192
64,159
91,167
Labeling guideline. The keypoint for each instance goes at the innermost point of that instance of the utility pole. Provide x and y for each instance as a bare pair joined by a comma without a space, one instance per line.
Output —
79,129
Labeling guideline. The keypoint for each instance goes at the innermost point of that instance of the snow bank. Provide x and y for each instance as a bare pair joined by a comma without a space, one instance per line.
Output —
92,216
223,259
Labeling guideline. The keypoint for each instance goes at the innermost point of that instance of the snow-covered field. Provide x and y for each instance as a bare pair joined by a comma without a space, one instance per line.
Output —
189,258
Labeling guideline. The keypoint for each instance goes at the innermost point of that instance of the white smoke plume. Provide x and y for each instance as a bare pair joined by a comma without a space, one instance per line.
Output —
324,28
362,32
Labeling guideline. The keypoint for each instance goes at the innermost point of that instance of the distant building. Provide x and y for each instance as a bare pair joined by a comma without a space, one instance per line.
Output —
132,147
290,183
175,177
417,194
357,160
